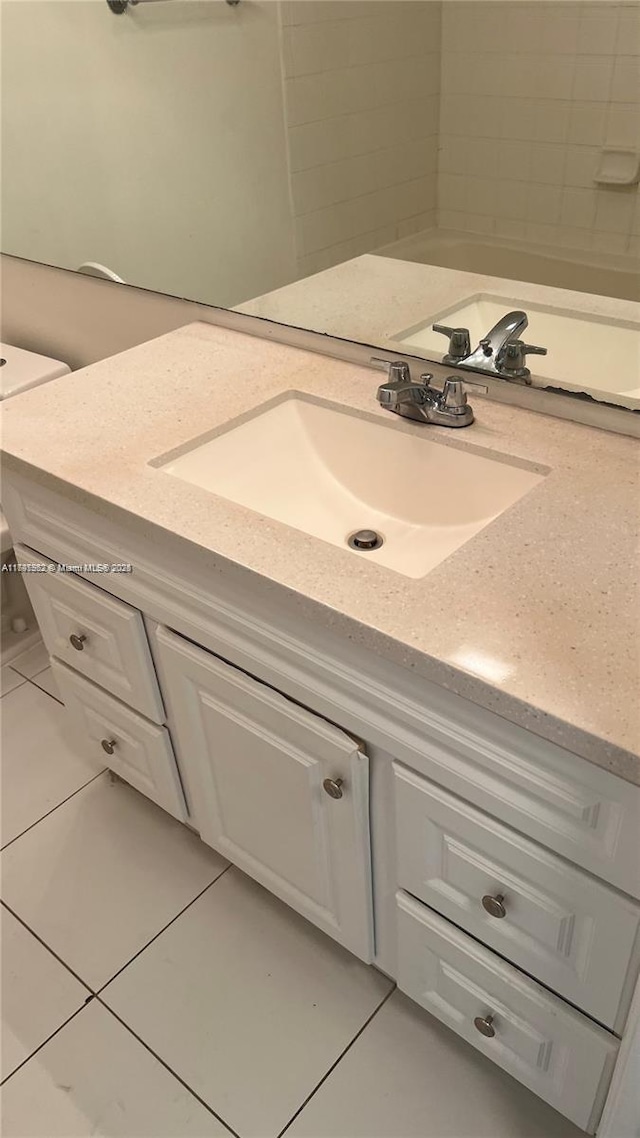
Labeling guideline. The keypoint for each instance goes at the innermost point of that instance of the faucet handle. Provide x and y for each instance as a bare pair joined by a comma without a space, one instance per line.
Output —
454,392
514,357
533,350
397,370
459,342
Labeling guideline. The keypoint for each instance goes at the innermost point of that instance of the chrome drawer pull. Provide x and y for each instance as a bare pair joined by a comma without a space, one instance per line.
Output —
108,745
484,1024
333,787
494,906
77,642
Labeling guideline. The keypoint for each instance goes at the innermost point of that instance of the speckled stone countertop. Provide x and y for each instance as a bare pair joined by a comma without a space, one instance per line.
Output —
546,597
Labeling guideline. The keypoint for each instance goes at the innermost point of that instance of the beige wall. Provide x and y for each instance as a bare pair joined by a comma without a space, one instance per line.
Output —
153,142
362,82
531,92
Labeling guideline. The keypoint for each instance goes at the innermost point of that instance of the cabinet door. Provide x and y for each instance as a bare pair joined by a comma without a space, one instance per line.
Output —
261,772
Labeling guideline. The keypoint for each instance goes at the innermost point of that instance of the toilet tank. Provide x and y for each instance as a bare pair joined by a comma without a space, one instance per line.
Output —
20,370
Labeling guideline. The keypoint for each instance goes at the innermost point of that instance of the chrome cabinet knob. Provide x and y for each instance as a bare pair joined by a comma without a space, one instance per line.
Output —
78,642
484,1024
333,787
494,906
108,745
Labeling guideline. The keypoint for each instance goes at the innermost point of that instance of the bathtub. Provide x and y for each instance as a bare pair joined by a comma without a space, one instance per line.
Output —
605,275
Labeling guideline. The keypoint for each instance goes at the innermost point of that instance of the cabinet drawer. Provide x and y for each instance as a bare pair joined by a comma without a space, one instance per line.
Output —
569,930
114,652
139,751
279,791
542,1042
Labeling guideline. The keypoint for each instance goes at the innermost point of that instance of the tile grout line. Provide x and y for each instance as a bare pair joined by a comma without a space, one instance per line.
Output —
166,1066
44,944
100,990
19,673
94,991
92,994
15,687
15,668
73,1015
35,683
338,1060
58,804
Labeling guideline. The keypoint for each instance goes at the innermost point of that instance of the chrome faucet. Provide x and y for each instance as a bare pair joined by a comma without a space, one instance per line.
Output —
500,353
422,402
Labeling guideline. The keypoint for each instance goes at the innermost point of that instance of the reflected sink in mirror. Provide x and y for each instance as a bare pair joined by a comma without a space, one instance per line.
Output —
330,473
585,353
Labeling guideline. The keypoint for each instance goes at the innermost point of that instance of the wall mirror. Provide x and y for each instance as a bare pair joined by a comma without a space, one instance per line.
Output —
364,168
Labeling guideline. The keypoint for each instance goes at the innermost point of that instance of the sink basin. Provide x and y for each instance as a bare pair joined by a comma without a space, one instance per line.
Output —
329,473
585,353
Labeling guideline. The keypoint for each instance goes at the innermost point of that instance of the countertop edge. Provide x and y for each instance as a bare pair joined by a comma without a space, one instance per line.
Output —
571,737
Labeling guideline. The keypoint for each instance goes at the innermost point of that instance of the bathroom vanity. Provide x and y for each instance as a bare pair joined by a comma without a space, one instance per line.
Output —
435,759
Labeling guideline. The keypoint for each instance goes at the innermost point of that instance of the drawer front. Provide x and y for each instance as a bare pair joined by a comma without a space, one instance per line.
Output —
278,790
137,750
570,931
542,1042
110,638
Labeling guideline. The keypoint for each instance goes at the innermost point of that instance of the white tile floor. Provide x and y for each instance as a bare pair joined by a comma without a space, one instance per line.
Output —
152,991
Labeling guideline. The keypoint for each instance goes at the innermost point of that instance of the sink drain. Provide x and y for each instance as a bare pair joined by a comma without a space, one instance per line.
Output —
365,540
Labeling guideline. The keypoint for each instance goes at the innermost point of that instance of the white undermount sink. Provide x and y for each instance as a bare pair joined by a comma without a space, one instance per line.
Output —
329,473
584,353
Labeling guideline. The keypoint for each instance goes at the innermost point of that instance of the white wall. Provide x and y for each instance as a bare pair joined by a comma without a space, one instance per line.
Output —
153,142
531,92
362,81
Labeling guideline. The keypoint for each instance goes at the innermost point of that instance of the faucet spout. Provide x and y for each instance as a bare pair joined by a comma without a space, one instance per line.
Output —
500,353
395,394
508,328
490,352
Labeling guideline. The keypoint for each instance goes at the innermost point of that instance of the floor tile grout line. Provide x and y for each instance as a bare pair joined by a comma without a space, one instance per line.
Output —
166,1065
44,690
15,687
338,1060
28,1059
48,947
53,808
38,673
100,990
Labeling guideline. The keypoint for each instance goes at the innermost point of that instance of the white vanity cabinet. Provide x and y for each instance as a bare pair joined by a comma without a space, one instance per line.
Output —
279,791
258,719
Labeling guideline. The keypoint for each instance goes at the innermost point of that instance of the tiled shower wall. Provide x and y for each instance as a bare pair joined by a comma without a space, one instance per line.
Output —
530,93
361,86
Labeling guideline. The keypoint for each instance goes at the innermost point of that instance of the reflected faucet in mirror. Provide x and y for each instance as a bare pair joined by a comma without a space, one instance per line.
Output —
501,353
